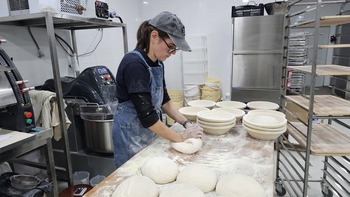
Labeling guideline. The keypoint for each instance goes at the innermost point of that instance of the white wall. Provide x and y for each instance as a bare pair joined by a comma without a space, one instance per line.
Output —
201,17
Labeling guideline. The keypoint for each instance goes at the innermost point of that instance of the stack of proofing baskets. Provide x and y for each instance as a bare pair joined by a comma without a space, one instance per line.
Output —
177,99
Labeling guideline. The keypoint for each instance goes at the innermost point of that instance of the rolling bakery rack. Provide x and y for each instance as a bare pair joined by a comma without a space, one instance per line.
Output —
315,119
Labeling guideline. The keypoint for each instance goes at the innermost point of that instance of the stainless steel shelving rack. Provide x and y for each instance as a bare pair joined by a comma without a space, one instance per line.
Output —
311,121
51,21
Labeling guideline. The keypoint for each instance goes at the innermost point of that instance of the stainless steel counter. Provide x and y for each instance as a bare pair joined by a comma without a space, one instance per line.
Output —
20,143
235,152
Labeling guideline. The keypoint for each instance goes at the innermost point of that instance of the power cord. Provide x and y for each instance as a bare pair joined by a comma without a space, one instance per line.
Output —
98,43
71,52
40,53
59,39
113,14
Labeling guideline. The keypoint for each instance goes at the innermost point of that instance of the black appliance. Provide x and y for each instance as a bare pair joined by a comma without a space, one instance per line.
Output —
94,85
16,111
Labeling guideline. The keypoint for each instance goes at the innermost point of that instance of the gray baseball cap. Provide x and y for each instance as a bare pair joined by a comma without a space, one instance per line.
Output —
172,25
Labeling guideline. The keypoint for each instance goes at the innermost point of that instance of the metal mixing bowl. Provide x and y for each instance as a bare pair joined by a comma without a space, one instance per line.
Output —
24,182
278,7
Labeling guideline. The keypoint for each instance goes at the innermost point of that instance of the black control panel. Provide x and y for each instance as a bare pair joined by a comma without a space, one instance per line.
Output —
20,116
101,9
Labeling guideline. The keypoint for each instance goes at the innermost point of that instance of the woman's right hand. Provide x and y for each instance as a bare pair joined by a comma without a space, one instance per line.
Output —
193,131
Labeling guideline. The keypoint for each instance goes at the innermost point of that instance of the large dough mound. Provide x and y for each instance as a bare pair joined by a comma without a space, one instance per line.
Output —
136,186
233,185
160,169
188,146
181,190
200,176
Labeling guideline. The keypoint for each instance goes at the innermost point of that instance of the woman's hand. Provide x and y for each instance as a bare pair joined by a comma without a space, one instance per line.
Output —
192,131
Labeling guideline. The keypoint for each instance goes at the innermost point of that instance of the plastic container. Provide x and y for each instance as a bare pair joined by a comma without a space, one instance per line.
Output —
96,180
81,177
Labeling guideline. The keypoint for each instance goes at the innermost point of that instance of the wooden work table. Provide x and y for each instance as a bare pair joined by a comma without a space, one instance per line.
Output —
234,152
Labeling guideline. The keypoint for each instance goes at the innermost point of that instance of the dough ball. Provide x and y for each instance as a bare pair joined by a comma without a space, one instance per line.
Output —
136,186
188,146
200,176
181,189
233,185
160,169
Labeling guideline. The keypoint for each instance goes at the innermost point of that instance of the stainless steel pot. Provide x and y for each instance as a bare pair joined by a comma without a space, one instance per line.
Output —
98,135
98,123
278,7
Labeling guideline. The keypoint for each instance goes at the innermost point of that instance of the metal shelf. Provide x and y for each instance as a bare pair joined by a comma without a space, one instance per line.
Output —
305,112
323,70
60,21
326,140
328,21
51,21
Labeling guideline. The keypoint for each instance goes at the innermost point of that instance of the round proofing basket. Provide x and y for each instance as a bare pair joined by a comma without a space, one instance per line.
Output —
262,105
215,124
267,111
191,112
266,129
265,120
201,103
216,130
238,113
215,116
231,104
262,135
213,94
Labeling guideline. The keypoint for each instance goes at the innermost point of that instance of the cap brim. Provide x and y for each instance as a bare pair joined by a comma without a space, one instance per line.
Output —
180,43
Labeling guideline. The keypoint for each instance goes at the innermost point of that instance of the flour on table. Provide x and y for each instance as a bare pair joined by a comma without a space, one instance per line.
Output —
136,185
188,146
160,169
232,185
197,175
181,189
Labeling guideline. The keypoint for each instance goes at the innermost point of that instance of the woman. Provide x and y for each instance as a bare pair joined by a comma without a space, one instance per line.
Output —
141,89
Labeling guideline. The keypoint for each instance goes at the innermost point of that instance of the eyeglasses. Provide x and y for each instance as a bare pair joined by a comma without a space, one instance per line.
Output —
171,48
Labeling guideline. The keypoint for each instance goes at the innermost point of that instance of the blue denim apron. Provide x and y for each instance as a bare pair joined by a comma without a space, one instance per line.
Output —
129,136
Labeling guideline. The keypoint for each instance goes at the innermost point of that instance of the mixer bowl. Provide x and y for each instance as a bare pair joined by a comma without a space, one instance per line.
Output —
98,123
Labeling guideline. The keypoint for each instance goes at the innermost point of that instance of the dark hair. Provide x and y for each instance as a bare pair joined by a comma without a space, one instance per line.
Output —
144,33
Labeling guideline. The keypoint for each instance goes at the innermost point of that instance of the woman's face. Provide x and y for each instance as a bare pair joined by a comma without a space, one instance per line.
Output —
160,48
